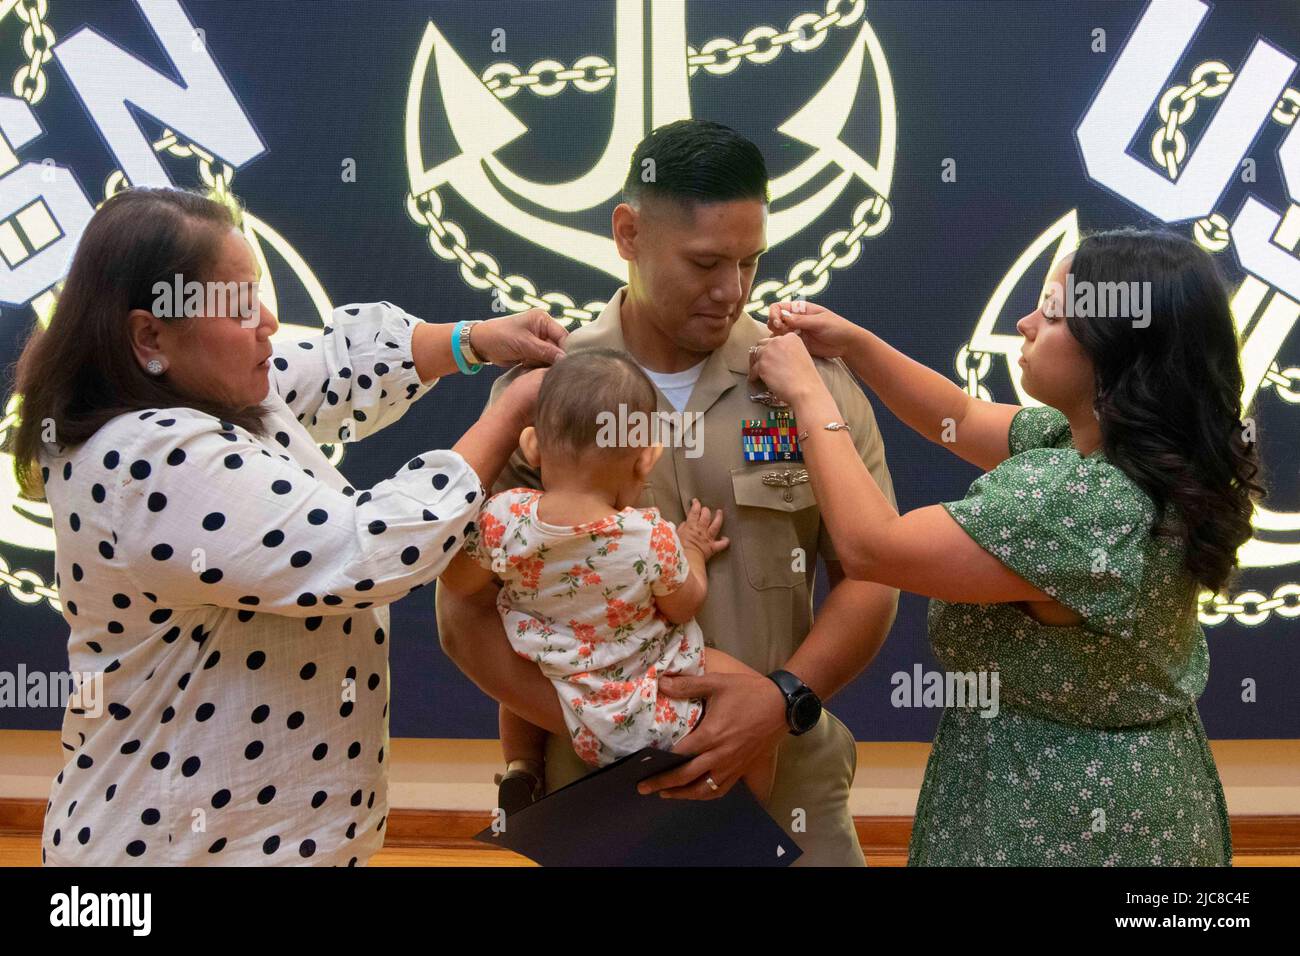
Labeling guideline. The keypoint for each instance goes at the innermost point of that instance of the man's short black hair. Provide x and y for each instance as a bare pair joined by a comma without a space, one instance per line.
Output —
696,162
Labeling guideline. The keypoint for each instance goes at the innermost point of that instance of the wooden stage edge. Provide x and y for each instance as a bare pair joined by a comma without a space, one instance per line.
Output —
883,839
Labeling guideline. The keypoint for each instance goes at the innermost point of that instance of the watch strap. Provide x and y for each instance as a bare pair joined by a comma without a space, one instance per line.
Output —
795,691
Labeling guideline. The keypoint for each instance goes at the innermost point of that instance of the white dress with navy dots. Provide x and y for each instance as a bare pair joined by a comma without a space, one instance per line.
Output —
233,591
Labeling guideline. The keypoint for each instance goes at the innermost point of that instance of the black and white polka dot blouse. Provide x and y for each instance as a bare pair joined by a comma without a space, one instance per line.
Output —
233,592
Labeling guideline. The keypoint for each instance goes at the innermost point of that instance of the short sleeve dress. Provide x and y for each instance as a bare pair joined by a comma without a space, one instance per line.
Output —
1095,754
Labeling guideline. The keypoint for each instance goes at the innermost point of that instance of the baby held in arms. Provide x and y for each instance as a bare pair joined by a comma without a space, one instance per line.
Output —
600,594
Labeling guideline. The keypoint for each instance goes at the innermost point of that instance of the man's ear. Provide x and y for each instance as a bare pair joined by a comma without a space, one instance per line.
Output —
625,224
646,461
531,447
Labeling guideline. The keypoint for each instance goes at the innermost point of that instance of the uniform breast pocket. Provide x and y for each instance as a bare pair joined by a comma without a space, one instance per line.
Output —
778,520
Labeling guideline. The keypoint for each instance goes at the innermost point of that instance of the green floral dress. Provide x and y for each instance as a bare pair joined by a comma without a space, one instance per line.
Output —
1096,755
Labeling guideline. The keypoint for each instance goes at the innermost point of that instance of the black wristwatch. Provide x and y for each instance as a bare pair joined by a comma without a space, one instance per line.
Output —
803,708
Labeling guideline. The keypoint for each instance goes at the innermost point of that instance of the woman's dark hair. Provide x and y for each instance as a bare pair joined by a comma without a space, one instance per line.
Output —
81,371
1169,387
694,162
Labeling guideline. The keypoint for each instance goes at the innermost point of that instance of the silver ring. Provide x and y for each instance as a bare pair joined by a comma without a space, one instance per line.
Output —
712,785
753,350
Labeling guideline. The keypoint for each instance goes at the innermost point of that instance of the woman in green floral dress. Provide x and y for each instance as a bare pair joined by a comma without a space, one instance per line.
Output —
1071,569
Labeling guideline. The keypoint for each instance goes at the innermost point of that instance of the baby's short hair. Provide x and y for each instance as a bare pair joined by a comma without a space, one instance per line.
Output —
579,388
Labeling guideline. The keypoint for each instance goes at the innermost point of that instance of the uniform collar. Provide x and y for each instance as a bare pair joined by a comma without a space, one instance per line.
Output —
720,369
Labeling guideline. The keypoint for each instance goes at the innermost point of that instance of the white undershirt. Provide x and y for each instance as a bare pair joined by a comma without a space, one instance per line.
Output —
676,386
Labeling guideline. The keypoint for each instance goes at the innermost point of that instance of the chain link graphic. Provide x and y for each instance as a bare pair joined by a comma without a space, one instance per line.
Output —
1169,148
27,586
1177,105
480,270
718,57
1250,607
38,39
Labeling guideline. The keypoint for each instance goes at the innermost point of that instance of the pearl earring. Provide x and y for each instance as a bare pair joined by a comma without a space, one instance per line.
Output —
154,367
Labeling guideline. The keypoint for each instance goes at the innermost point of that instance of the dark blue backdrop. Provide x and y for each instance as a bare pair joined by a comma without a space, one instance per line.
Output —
999,87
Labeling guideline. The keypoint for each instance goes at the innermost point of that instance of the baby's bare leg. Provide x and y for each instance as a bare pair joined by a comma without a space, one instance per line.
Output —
759,775
520,740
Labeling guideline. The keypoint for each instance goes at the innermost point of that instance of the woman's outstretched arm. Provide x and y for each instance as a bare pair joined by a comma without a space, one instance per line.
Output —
924,551
920,397
488,444
531,338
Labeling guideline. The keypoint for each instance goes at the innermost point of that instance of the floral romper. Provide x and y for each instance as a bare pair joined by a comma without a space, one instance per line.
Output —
1096,756
579,600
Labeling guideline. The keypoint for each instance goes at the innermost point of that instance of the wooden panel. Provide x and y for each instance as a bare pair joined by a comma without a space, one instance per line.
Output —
445,838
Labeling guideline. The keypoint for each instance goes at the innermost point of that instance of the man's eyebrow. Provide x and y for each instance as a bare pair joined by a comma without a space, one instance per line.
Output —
719,255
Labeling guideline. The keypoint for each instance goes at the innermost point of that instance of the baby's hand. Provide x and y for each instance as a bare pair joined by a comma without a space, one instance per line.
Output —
700,530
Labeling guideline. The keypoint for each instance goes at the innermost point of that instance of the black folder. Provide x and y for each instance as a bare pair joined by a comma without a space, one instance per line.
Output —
601,820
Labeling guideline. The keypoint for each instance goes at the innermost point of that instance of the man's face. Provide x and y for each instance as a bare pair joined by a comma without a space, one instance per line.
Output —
694,266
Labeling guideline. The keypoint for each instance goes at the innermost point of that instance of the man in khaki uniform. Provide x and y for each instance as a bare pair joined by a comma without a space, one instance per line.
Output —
759,605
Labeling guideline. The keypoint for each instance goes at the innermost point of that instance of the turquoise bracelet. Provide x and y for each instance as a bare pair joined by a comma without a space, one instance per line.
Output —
457,331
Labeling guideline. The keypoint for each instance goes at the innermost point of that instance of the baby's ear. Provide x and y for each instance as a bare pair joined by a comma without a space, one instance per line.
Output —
530,446
646,461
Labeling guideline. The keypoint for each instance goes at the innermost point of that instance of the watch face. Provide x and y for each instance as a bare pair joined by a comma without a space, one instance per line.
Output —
806,711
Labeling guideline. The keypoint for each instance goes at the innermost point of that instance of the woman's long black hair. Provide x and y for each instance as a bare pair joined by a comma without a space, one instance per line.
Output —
1169,392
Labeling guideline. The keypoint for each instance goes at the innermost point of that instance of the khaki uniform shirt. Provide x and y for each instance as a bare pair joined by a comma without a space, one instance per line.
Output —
760,598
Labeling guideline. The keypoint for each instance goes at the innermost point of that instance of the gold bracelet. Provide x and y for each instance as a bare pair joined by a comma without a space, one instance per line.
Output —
467,350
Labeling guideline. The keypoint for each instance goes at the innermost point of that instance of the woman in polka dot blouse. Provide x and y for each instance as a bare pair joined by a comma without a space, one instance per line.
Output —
220,573
1066,581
